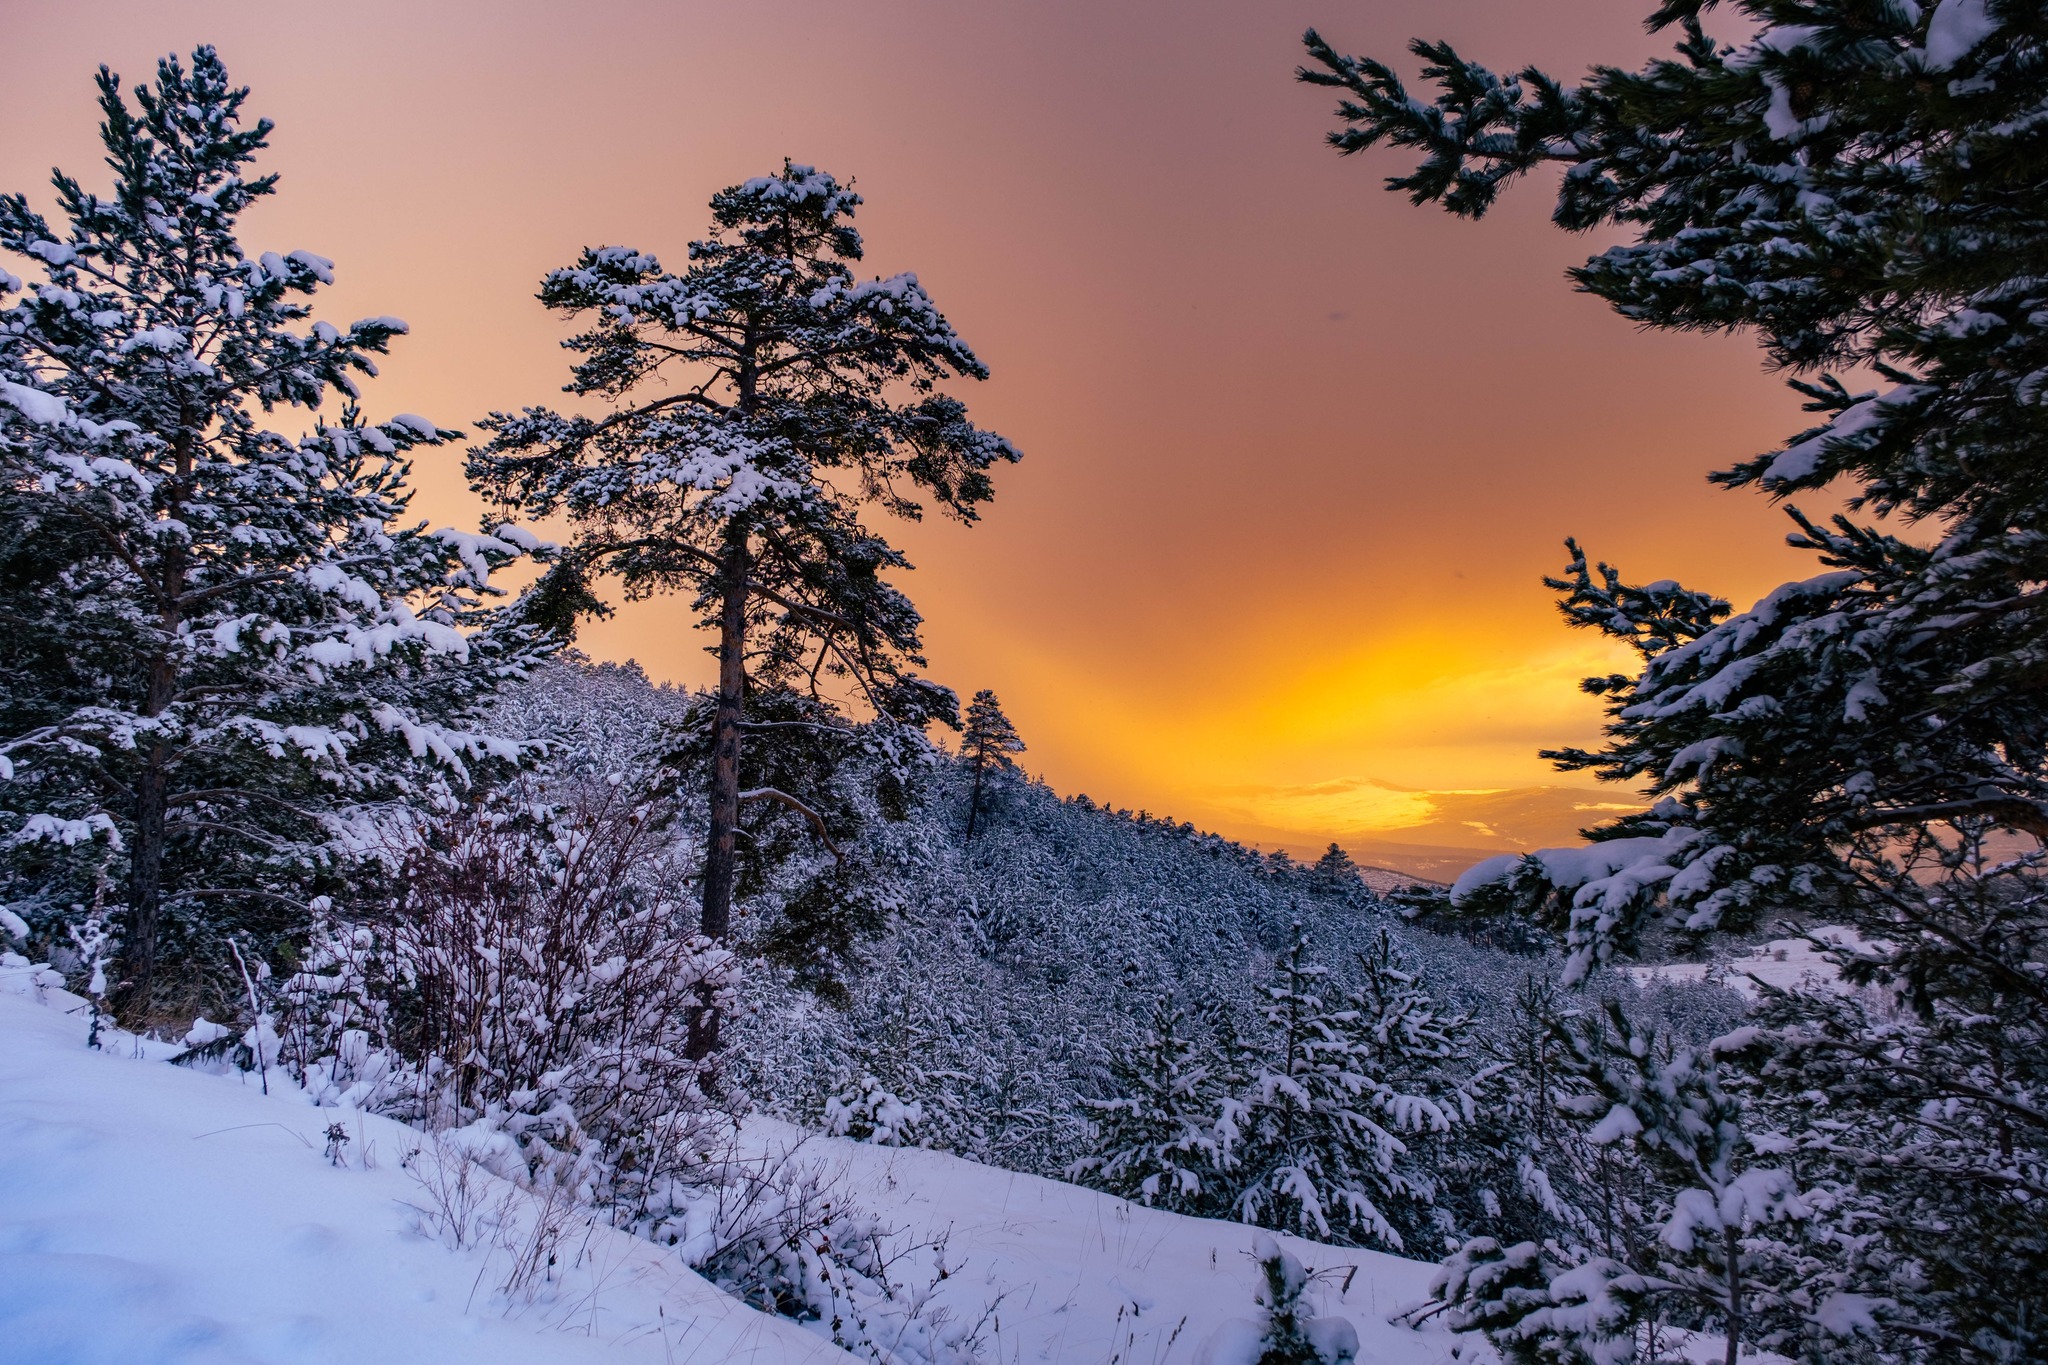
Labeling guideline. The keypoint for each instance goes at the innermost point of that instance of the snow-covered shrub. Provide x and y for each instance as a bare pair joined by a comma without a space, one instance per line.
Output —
776,1230
544,984
867,1111
334,1017
1284,1333
1720,1234
94,941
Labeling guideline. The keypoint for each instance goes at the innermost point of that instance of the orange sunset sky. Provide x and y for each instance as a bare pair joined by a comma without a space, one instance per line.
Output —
1296,452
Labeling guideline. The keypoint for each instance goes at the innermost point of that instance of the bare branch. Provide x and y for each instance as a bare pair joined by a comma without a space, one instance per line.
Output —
784,798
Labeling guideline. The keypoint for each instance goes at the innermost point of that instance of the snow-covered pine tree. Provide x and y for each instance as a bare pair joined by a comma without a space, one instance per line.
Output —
989,743
1424,1058
1727,1246
220,640
1518,1170
765,398
867,1111
1154,1139
1313,1143
1861,185
1285,1332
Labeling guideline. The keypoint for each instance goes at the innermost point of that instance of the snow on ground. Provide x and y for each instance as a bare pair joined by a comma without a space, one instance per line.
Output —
1081,1276
150,1214
1782,962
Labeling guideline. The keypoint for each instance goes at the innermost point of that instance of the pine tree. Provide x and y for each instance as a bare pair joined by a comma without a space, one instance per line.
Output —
1336,867
222,642
989,743
1425,1057
765,398
1154,1142
1861,186
1285,1332
1314,1142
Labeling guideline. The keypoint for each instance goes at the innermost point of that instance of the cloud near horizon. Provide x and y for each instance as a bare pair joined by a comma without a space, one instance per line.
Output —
1367,810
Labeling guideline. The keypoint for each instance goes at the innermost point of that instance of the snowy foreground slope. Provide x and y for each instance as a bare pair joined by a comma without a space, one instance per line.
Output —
153,1214
150,1214
1087,1277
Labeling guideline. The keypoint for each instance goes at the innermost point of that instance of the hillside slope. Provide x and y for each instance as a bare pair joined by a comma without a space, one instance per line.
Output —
1080,1276
150,1215
153,1214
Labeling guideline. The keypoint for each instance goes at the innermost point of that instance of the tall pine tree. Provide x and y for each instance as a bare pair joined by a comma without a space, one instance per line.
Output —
761,401
222,641
1862,185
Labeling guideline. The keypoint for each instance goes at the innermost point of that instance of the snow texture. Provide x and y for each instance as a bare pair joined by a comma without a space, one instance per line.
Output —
153,1214
1785,963
1955,30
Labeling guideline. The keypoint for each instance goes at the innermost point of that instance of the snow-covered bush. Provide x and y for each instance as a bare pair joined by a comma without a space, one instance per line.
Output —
1284,1333
1720,1234
544,982
775,1229
334,1020
867,1111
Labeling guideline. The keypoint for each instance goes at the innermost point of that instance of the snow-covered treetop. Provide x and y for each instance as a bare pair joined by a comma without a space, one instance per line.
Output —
152,281
1859,184
760,399
990,739
770,324
769,212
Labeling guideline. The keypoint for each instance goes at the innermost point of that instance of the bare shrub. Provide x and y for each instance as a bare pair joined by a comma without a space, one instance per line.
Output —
452,1193
530,981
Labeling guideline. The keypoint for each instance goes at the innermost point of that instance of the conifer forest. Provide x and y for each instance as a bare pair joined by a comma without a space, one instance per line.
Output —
389,971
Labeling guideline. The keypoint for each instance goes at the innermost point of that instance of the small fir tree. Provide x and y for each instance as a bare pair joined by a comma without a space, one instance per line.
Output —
1336,868
1285,1333
1154,1139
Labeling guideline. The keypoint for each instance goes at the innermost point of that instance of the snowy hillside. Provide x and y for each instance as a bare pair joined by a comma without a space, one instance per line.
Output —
1076,1275
150,1213
1783,963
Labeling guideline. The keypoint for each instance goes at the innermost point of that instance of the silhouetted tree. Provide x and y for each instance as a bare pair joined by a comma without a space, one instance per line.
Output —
990,742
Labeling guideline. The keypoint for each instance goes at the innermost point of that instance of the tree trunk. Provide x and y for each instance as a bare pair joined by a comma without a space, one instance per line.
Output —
137,963
974,801
722,846
1731,1247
